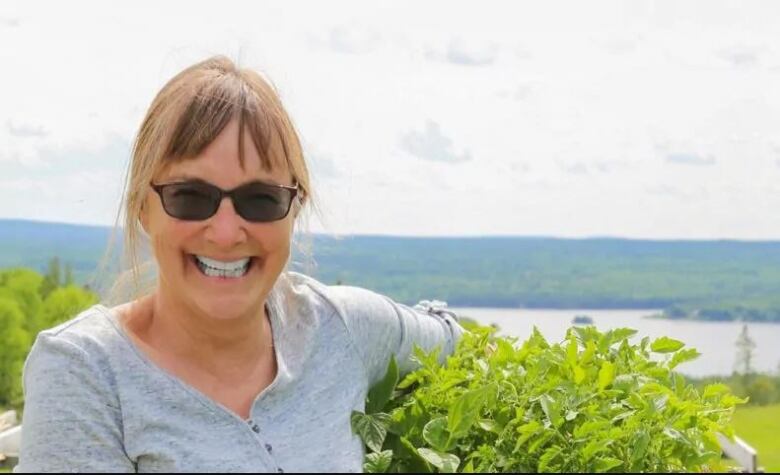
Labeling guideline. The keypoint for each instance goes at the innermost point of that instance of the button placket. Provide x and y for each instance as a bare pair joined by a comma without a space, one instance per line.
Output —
268,447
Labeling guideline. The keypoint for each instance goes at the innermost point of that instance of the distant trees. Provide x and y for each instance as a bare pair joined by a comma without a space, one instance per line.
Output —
29,303
745,347
761,389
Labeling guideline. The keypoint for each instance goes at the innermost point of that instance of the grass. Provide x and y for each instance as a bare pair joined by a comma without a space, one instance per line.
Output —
759,426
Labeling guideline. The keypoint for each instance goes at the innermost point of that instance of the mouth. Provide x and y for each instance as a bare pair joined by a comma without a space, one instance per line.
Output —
225,271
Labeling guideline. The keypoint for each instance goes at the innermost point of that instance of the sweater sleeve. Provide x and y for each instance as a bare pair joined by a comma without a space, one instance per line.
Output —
71,420
380,327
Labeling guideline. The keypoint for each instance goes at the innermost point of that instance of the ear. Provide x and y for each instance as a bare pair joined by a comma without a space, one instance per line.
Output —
143,217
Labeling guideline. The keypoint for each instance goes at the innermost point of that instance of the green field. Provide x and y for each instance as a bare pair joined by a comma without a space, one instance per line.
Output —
760,427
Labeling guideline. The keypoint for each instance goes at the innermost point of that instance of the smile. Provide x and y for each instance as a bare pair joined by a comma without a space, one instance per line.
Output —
226,270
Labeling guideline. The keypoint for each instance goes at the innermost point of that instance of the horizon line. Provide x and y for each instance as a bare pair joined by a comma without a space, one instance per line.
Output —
461,236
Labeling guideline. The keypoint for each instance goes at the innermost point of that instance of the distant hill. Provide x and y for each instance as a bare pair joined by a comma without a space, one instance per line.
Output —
33,243
715,280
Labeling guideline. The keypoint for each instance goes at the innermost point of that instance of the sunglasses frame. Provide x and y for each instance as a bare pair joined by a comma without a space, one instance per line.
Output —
159,188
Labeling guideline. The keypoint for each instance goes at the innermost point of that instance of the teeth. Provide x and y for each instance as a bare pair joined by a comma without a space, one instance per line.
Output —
215,268
227,266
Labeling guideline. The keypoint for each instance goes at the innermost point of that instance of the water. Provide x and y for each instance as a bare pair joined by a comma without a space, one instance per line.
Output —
714,340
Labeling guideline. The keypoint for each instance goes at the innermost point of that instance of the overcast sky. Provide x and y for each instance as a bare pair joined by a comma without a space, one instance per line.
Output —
633,119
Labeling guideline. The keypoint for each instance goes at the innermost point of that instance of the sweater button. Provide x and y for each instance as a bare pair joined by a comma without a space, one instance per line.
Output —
268,448
256,428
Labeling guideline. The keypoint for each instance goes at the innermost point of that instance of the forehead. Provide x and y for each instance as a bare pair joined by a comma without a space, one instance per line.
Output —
220,161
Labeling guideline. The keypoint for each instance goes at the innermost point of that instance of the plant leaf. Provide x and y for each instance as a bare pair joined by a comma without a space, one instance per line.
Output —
606,375
552,409
687,354
547,457
666,345
436,434
378,462
372,428
465,412
446,463
381,393
638,450
416,462
605,464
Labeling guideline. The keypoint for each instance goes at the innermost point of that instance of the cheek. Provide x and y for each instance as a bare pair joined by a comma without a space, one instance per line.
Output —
274,239
169,238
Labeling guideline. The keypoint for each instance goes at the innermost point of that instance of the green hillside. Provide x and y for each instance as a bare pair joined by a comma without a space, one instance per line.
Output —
712,280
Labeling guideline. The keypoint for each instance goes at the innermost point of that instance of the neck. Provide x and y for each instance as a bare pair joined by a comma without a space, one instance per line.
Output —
219,347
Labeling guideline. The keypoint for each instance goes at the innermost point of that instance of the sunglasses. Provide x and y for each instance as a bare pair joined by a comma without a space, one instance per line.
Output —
197,200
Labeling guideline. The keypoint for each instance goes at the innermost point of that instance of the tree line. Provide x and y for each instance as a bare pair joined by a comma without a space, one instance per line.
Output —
31,302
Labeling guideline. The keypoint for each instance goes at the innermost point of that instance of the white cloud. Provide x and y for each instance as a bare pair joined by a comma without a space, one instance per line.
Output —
26,130
461,53
432,144
690,159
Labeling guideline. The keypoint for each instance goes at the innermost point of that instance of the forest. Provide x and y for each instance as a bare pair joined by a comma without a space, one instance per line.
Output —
31,302
705,280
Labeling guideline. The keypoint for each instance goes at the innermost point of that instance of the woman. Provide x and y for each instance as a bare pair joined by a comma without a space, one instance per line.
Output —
230,363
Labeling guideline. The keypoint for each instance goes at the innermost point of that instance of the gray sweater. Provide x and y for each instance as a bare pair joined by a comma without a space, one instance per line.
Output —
94,402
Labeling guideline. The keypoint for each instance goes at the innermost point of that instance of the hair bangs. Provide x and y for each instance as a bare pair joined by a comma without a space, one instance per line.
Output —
212,106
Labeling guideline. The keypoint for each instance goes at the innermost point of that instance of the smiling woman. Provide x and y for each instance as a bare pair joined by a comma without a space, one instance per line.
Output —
229,362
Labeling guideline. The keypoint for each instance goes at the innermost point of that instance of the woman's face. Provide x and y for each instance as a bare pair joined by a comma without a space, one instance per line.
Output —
224,237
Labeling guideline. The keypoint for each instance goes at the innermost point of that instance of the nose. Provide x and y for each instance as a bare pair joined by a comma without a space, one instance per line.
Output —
226,228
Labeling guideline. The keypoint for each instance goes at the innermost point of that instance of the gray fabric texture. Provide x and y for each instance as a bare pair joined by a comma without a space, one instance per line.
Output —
94,402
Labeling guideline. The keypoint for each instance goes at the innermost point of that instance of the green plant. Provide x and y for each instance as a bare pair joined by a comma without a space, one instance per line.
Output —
592,403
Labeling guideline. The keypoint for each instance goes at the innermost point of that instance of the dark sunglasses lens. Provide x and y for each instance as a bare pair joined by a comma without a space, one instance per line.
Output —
190,201
262,203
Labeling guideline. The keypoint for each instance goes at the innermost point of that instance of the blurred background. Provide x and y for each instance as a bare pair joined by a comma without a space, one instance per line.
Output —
547,163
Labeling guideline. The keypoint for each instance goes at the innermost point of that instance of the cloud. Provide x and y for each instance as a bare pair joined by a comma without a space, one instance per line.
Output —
431,144
577,168
520,93
322,165
352,40
740,56
9,22
23,157
26,130
690,159
668,191
582,168
459,53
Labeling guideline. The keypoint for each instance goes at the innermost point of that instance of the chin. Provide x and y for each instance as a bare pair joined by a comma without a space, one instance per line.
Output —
224,309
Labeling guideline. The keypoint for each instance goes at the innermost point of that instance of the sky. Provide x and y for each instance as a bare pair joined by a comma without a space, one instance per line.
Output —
558,118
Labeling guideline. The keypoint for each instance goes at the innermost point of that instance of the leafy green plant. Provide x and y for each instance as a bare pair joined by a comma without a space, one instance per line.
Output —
593,403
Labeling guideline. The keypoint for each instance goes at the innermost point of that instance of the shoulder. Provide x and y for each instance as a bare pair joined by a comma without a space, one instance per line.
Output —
339,300
92,330
87,340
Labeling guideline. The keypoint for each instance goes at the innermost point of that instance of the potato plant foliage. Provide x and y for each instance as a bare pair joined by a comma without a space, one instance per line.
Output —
593,403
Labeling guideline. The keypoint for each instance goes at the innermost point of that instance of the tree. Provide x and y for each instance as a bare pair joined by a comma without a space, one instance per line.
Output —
62,304
745,347
68,278
14,345
23,287
53,277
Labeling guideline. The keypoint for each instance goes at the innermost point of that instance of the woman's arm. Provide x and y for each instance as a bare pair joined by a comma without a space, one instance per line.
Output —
380,327
71,416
